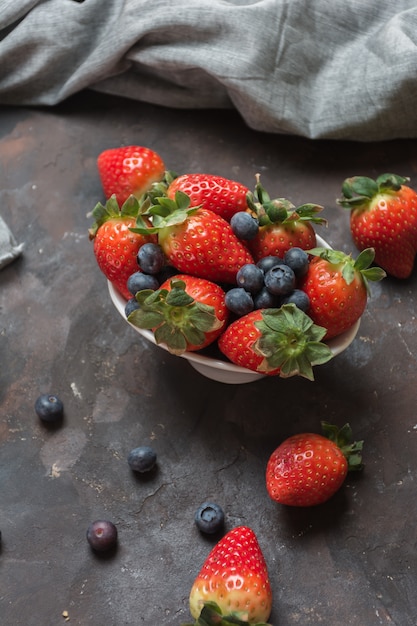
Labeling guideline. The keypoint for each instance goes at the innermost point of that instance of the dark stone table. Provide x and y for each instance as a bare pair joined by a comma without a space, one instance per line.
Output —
351,561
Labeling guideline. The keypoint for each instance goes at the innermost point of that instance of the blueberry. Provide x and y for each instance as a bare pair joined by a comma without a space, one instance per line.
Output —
239,301
131,305
297,260
102,535
280,280
209,518
264,299
244,225
268,262
250,277
142,459
299,298
138,281
168,271
151,258
49,408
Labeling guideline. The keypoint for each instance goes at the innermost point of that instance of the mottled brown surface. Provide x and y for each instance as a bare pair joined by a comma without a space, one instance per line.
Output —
351,561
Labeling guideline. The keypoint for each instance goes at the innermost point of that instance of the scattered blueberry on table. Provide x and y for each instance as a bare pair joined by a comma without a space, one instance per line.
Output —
49,408
102,535
142,459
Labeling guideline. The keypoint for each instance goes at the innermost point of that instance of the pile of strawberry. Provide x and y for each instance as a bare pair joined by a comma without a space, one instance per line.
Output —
208,230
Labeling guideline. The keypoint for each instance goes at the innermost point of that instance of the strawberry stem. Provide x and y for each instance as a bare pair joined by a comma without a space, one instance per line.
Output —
342,437
211,615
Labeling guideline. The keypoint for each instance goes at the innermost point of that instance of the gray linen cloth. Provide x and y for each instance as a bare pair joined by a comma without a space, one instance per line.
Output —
342,69
9,248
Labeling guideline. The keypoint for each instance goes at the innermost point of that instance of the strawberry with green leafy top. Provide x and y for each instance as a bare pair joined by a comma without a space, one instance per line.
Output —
281,225
115,245
221,195
129,170
195,241
185,314
307,469
337,287
233,585
282,342
383,216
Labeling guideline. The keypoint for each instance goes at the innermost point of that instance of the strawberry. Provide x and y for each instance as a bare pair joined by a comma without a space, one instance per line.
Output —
308,468
233,583
185,314
337,287
280,341
196,241
129,170
115,245
221,195
383,216
281,225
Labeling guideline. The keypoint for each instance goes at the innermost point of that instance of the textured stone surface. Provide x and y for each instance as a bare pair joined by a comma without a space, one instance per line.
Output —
351,561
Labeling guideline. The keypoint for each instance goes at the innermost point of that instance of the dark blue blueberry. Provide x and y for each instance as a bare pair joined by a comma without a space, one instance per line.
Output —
239,301
138,281
268,262
142,459
280,280
49,408
244,225
250,277
299,298
131,305
264,299
168,271
297,259
151,258
209,518
102,535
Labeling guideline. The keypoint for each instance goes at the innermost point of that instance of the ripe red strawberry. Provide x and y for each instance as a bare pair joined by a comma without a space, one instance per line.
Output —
280,341
307,469
233,582
129,170
383,216
196,241
337,287
115,245
281,225
185,314
221,195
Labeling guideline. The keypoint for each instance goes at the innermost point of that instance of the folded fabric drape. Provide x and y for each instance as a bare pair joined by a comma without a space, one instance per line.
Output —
342,69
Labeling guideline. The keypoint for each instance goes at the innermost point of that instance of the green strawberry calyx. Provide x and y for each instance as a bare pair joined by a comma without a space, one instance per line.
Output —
342,437
211,615
177,319
358,191
280,210
352,267
290,341
163,212
104,212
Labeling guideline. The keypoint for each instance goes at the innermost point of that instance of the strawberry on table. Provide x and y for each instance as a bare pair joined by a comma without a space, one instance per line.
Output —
337,287
282,342
307,469
383,216
233,583
129,170
281,225
186,313
221,195
195,240
115,245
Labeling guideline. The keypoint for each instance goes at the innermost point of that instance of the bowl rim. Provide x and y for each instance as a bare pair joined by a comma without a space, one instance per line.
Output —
336,344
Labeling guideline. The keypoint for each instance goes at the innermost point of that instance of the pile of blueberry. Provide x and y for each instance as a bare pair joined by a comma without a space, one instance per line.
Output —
269,283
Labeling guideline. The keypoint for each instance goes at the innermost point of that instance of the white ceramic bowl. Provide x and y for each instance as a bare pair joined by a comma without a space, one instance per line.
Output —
223,371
